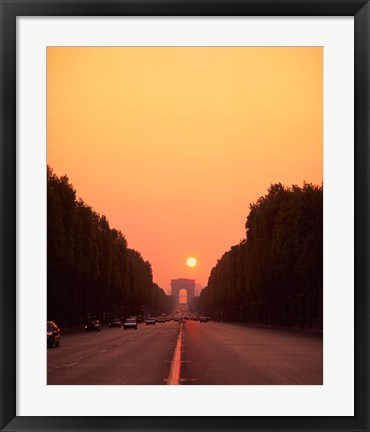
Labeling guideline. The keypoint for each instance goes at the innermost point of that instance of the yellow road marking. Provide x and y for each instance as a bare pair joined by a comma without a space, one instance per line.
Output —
174,376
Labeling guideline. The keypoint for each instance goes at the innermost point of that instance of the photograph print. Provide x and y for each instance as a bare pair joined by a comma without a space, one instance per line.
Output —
184,216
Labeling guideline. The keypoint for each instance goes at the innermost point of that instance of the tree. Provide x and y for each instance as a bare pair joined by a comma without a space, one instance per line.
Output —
275,275
91,271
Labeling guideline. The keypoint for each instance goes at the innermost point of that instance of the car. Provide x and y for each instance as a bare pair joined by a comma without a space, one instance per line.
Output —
115,323
52,334
203,319
150,320
130,323
161,320
93,325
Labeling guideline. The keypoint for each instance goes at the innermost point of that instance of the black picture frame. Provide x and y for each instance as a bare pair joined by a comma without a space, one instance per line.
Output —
9,10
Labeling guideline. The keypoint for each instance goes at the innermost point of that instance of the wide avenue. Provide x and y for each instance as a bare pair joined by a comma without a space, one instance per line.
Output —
210,353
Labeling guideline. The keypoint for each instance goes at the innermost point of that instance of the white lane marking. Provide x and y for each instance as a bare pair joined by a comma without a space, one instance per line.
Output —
101,351
71,364
174,376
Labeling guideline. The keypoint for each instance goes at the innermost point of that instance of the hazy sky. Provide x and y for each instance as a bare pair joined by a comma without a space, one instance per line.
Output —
173,144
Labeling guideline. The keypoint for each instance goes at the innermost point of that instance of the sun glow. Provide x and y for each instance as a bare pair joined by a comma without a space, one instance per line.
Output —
191,262
237,113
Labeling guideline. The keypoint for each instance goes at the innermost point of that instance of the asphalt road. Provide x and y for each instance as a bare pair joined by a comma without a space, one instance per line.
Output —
114,356
211,353
219,353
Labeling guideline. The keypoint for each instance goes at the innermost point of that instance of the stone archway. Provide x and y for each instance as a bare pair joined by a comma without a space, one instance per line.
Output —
186,284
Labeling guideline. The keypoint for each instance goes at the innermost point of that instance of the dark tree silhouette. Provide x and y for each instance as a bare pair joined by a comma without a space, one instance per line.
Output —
275,275
91,271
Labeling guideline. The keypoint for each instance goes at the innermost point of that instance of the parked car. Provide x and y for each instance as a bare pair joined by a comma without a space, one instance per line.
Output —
93,325
150,320
130,323
203,319
161,320
115,323
52,334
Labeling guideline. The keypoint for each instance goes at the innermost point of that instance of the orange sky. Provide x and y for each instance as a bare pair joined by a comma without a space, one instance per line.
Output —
172,144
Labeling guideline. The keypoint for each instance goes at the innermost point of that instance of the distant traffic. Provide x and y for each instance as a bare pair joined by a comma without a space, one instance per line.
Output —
180,315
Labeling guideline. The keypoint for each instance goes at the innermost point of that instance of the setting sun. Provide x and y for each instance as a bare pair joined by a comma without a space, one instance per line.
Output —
191,262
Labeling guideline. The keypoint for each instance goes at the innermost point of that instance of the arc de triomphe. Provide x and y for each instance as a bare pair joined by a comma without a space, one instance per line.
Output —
186,284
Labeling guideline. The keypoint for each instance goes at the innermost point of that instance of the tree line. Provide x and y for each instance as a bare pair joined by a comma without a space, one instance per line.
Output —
275,275
91,272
